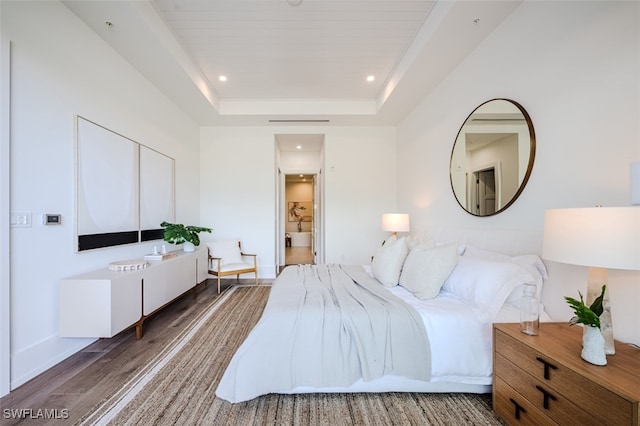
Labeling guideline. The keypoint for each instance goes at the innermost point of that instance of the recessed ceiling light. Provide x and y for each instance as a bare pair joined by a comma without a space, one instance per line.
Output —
370,78
222,78
298,146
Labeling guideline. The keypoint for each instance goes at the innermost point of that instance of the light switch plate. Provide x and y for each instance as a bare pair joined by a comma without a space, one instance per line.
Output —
20,220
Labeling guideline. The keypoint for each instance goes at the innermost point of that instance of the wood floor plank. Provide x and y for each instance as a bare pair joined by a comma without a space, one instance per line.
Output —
82,381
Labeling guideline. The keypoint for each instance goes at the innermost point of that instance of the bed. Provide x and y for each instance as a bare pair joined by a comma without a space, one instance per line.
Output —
418,319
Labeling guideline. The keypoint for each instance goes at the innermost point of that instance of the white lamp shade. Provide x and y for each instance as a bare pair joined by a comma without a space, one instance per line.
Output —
602,237
395,222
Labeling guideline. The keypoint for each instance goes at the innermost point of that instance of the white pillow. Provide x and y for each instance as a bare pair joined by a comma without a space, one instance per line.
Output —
485,283
426,268
387,262
413,242
531,262
227,250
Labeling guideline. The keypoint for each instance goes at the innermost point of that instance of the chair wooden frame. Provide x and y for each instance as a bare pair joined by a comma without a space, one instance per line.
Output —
220,273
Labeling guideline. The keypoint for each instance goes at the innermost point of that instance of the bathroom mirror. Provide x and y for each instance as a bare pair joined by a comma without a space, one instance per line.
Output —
492,157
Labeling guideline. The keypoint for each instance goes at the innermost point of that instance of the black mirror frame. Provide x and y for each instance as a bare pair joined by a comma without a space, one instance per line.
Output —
532,155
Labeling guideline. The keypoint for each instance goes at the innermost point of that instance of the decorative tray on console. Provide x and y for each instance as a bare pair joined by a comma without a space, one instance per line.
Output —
160,256
128,265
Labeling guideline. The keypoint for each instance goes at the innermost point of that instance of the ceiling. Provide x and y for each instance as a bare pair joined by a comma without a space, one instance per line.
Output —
286,64
297,142
299,178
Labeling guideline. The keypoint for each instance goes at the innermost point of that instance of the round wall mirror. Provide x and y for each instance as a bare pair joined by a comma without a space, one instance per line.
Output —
492,157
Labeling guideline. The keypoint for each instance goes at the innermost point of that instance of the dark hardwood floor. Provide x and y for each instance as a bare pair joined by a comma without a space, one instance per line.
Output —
71,388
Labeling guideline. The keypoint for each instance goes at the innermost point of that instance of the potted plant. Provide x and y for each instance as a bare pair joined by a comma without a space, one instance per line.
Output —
177,233
592,340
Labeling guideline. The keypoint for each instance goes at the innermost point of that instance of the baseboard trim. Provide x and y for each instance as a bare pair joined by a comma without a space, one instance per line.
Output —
39,357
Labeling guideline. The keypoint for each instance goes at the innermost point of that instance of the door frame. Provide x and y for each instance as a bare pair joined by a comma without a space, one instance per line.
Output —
472,197
317,229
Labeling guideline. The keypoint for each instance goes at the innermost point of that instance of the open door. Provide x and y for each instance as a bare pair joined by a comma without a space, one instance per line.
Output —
280,225
485,189
318,219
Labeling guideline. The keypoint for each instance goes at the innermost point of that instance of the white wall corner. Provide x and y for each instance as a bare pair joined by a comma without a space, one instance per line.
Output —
5,194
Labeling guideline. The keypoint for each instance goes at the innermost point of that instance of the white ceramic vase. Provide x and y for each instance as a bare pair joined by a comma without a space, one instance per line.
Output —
188,247
593,346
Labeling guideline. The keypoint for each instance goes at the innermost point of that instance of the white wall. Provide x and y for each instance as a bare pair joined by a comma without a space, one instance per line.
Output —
360,186
300,162
60,68
5,167
238,178
574,66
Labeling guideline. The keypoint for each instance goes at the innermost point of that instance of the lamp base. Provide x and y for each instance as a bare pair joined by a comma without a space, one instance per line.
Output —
597,277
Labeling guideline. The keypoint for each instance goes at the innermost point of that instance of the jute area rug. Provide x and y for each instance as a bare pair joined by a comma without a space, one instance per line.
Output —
178,386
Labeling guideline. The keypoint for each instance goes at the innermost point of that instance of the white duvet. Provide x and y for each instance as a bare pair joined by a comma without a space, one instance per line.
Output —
461,344
326,325
459,338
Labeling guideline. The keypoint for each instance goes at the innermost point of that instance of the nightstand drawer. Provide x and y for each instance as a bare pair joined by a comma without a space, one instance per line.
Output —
514,408
591,397
550,364
541,396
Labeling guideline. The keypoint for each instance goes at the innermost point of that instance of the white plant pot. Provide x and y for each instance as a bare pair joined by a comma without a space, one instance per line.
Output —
188,247
593,346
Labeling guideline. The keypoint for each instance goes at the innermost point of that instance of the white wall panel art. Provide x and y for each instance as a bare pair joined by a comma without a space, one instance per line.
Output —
124,190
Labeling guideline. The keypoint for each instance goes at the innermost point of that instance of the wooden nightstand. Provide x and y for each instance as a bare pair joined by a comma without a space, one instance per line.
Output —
540,380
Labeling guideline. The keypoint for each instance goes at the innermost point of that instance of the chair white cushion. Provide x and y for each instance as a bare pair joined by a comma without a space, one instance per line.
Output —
227,250
230,266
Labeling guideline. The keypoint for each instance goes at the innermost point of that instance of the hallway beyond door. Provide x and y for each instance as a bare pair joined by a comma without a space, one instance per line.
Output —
298,255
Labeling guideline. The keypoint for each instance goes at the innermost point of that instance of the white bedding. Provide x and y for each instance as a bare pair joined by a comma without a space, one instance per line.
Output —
327,325
460,338
461,349
461,342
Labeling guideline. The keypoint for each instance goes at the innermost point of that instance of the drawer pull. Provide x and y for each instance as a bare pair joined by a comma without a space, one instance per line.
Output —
546,397
518,409
547,366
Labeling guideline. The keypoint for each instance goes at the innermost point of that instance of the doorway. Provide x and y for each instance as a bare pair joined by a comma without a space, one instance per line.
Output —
299,199
299,225
486,184
486,191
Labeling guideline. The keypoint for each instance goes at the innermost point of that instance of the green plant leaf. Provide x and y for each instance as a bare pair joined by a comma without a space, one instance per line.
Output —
177,233
583,314
597,306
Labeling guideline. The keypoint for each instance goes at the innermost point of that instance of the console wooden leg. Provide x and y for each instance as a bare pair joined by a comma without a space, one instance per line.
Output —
139,328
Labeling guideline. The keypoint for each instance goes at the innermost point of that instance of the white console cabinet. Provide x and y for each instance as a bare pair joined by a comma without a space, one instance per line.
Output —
102,303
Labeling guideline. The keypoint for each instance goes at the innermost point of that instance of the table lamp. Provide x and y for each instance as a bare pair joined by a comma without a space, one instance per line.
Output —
600,238
395,222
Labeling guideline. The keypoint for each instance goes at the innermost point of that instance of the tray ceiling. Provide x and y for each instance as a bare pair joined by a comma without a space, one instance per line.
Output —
294,64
